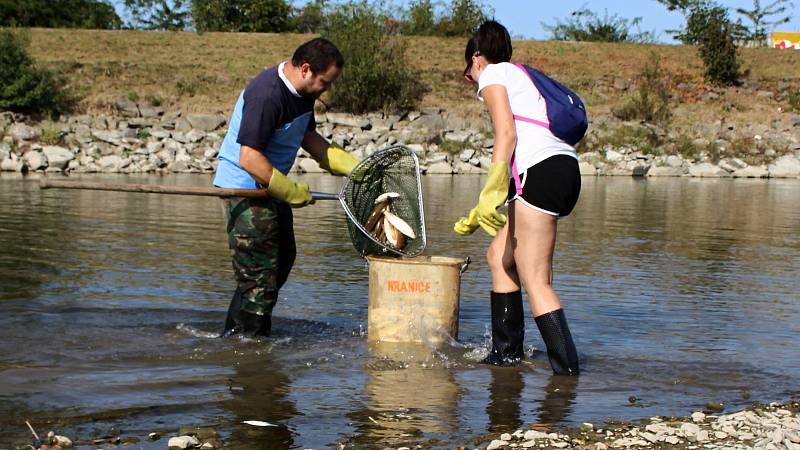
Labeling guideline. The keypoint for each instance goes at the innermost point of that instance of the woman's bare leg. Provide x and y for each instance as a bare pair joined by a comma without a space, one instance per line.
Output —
533,242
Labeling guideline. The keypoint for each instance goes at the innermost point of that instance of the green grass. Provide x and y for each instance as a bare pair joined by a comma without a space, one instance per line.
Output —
205,72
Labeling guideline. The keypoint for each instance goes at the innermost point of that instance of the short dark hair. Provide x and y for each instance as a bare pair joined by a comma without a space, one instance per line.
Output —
490,40
319,53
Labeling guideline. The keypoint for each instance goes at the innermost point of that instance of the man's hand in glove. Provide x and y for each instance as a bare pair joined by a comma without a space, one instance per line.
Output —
295,194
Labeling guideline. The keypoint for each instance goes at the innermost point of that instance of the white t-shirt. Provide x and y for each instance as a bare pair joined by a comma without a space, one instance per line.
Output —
535,143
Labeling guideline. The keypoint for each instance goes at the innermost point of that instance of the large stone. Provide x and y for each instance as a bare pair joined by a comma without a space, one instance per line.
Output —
127,108
5,151
111,137
35,160
23,132
751,172
674,161
57,157
182,442
110,163
431,123
665,171
439,168
614,156
465,168
206,122
458,136
348,120
151,111
787,166
10,165
308,165
587,168
707,170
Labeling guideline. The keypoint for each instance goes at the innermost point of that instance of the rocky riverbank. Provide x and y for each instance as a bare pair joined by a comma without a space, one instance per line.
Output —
138,138
773,427
770,427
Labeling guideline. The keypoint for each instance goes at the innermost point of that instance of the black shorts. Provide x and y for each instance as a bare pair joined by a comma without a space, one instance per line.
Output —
551,186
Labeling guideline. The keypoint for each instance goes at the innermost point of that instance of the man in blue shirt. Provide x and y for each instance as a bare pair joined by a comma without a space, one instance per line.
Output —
273,117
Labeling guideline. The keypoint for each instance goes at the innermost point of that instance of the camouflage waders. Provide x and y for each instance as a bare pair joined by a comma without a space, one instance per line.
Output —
261,239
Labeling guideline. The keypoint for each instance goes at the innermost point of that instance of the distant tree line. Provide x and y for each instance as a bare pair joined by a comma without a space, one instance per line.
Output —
420,17
58,14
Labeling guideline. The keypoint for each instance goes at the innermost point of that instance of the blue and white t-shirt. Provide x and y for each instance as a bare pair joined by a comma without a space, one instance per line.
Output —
269,116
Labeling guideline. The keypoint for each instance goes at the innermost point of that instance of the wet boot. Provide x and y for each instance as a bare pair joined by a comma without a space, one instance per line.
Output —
239,321
558,340
508,329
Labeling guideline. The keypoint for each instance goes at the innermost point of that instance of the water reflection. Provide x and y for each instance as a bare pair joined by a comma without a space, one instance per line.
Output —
259,391
409,394
691,282
504,408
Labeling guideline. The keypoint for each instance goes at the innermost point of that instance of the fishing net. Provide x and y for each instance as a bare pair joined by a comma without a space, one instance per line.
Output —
395,169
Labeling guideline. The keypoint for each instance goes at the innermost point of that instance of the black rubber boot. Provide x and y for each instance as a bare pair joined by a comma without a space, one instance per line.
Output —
243,322
558,340
508,329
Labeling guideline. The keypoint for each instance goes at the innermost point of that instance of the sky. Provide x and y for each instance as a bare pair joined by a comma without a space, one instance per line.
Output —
524,18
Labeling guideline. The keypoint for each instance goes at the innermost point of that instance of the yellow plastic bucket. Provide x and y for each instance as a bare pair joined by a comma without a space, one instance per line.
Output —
414,299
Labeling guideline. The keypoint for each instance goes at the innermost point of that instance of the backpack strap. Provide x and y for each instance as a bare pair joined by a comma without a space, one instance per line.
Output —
528,119
515,173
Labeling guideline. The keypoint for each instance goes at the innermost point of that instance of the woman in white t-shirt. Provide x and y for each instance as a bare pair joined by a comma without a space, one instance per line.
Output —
545,186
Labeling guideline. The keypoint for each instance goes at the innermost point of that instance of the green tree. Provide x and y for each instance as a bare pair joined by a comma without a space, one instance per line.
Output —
310,18
586,25
764,19
376,76
420,18
241,15
172,15
24,87
467,15
716,37
59,14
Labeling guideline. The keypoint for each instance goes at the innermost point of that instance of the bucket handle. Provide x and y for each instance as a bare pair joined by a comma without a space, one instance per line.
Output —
464,266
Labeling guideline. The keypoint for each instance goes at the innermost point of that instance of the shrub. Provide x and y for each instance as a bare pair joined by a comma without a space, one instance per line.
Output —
24,87
586,25
51,134
257,16
794,100
716,45
376,76
651,102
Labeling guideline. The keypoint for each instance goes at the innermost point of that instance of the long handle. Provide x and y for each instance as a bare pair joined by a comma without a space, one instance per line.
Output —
45,183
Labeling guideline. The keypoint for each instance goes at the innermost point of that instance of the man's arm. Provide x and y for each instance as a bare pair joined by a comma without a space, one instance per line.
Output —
256,164
316,145
329,156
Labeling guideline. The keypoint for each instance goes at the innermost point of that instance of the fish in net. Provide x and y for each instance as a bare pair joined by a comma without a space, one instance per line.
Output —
386,187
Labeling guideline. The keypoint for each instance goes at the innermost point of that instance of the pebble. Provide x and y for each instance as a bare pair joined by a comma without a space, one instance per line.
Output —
497,443
182,442
698,417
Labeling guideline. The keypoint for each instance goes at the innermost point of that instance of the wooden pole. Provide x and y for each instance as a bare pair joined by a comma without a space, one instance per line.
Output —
45,183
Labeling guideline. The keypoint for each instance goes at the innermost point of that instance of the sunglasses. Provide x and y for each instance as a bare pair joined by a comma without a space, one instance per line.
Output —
467,75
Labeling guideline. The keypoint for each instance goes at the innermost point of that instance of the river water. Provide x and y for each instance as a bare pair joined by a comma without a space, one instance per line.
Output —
678,291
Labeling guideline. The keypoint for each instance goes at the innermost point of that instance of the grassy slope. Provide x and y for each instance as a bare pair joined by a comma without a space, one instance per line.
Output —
195,72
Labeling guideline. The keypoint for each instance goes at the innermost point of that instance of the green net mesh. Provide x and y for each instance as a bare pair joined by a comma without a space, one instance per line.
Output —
395,169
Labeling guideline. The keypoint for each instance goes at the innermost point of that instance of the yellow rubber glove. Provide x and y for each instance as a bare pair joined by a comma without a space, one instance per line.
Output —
281,187
338,161
493,196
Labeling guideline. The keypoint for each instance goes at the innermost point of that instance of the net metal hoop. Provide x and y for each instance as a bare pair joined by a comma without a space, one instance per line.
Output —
356,227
